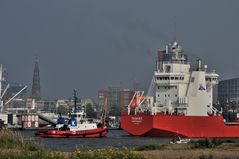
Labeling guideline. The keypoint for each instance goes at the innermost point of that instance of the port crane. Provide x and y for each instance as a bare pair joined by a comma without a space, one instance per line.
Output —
5,90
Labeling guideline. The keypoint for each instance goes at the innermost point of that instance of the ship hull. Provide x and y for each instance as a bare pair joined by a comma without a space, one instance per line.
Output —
174,125
94,133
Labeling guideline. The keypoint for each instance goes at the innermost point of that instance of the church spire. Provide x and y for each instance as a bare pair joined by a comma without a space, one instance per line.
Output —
36,94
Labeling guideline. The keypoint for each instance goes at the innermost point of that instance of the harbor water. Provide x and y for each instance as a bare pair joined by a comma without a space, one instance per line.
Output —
115,138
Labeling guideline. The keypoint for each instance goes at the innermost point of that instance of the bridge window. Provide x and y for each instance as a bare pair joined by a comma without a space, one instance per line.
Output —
168,69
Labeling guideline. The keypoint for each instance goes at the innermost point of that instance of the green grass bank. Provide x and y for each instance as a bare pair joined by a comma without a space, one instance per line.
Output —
13,146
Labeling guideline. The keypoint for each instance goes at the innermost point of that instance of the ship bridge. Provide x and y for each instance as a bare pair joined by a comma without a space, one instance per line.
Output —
175,89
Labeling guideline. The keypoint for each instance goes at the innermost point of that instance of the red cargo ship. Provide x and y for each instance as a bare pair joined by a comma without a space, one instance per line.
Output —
178,103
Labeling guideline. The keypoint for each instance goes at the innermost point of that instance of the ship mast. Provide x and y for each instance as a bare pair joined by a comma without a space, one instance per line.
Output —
75,98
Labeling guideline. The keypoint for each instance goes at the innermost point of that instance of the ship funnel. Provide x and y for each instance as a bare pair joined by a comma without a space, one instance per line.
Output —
199,65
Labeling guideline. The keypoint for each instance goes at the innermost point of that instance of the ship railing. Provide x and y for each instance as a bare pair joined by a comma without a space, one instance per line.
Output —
177,62
169,114
136,101
213,111
157,113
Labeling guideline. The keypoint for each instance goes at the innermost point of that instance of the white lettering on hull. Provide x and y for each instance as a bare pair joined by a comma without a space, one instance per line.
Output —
136,120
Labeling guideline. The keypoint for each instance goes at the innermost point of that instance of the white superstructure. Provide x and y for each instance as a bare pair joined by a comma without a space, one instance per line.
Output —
175,89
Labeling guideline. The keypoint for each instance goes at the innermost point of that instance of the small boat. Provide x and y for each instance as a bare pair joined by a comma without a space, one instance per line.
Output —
78,126
179,140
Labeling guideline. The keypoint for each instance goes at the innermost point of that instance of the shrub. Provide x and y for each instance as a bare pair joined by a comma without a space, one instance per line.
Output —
108,153
206,156
206,143
150,147
13,140
10,139
30,155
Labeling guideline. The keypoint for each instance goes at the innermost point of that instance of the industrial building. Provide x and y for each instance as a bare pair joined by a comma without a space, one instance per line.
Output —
228,91
114,97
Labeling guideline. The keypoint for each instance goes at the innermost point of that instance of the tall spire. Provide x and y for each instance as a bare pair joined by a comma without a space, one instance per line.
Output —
36,94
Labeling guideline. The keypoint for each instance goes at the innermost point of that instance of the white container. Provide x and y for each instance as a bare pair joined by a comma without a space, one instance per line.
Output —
29,124
36,124
29,118
33,118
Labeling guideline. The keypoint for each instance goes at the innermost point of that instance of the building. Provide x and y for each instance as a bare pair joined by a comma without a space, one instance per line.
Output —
36,105
88,101
228,91
228,97
50,106
113,97
102,100
108,99
125,97
62,106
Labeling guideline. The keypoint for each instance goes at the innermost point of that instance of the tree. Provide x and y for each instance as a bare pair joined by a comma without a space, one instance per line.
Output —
90,113
62,110
114,111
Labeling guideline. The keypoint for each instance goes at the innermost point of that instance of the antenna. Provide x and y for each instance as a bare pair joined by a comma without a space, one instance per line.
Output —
135,84
175,30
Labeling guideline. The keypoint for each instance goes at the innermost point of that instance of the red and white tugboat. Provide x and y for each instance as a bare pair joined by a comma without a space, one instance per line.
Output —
78,126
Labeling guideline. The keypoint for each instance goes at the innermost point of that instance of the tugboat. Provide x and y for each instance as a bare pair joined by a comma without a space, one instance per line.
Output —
78,126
